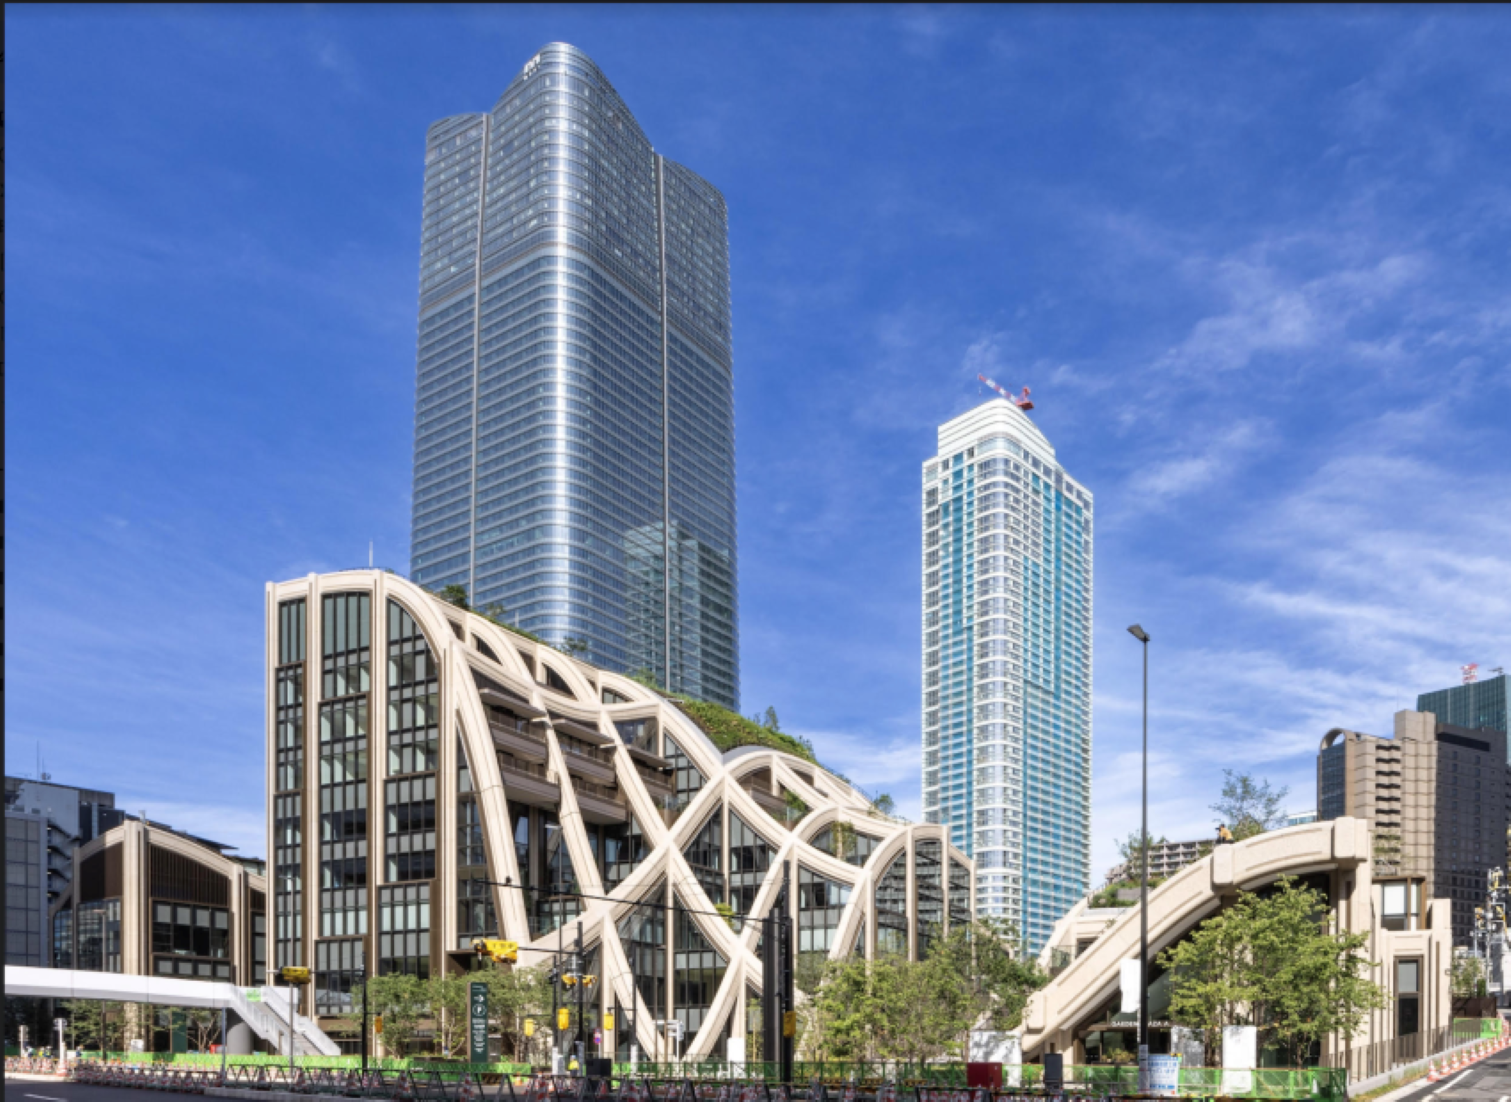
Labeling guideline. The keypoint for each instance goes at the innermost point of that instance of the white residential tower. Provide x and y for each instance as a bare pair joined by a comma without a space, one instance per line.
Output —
1007,540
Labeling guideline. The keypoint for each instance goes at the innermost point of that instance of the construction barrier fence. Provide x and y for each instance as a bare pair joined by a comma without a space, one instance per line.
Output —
1082,1084
389,1064
433,1086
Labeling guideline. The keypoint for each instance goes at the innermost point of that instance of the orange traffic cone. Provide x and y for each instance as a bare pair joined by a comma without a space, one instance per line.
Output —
1432,1071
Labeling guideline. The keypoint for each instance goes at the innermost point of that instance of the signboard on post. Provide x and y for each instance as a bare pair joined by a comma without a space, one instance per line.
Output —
1164,1075
477,1000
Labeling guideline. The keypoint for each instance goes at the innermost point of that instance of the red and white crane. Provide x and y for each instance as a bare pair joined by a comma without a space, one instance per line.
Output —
1020,402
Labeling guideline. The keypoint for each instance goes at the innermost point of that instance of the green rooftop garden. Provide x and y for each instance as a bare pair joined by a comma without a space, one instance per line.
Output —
729,730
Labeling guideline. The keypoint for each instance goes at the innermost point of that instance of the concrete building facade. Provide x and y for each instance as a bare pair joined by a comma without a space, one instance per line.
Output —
421,758
1006,626
1165,859
1438,798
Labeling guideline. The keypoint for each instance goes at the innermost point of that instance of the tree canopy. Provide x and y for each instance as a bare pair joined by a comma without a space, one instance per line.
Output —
893,1008
1272,960
1248,806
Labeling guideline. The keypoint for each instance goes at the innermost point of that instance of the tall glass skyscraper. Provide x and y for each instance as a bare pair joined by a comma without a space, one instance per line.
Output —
1473,704
1007,664
574,407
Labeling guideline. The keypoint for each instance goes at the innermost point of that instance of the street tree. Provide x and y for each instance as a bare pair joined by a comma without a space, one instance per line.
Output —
203,1027
1248,806
1466,976
989,951
96,1025
1273,960
1131,849
513,996
401,1000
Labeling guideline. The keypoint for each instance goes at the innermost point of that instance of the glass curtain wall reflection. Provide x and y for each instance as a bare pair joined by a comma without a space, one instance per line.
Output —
574,408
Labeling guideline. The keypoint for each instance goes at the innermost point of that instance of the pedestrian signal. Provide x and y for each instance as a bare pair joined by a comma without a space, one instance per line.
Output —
563,1018
789,1024
529,1027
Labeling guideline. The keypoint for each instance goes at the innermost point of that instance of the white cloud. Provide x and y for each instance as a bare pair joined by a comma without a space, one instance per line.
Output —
1270,311
1209,461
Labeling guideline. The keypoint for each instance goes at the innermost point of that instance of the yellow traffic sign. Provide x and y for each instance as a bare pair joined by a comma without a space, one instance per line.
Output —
496,950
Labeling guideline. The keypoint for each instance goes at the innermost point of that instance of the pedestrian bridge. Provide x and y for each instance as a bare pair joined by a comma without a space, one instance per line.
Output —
265,1011
1096,944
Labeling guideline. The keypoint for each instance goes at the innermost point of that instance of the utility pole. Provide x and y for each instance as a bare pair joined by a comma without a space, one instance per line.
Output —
777,980
1143,953
362,975
577,961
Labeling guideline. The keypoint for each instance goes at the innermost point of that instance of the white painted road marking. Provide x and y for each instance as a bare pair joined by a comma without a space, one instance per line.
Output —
1455,1083
50,1098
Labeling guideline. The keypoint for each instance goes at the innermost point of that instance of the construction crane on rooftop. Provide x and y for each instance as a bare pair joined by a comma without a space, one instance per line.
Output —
1021,402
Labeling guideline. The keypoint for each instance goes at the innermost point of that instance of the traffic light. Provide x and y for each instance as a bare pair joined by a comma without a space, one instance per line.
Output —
563,1019
569,980
608,1019
529,1027
495,950
589,981
294,976
378,1024
789,1024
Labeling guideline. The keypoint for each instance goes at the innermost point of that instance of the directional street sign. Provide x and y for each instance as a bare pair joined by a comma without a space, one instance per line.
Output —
478,999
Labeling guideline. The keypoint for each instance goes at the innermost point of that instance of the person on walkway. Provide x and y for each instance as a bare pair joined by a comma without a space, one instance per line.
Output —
1224,836
572,1068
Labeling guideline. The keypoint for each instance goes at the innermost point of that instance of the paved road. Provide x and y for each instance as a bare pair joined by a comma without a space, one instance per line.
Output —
67,1092
1487,1081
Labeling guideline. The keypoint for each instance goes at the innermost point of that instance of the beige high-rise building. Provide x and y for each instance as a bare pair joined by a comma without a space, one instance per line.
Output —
1437,798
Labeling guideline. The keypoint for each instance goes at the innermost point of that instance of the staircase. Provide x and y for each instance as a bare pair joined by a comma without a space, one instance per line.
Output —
269,1019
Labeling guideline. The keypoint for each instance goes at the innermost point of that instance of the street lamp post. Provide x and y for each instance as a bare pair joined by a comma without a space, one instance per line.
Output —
362,975
1143,935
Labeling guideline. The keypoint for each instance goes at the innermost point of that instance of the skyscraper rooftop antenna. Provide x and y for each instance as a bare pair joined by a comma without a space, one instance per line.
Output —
1471,672
1021,402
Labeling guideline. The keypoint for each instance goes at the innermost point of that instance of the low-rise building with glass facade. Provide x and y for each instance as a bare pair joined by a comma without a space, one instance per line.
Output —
44,823
420,757
149,901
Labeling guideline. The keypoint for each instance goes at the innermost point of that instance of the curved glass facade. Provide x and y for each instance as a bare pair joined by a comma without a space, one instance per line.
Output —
574,408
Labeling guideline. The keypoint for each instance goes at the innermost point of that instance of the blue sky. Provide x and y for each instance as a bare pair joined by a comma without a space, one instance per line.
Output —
1254,265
